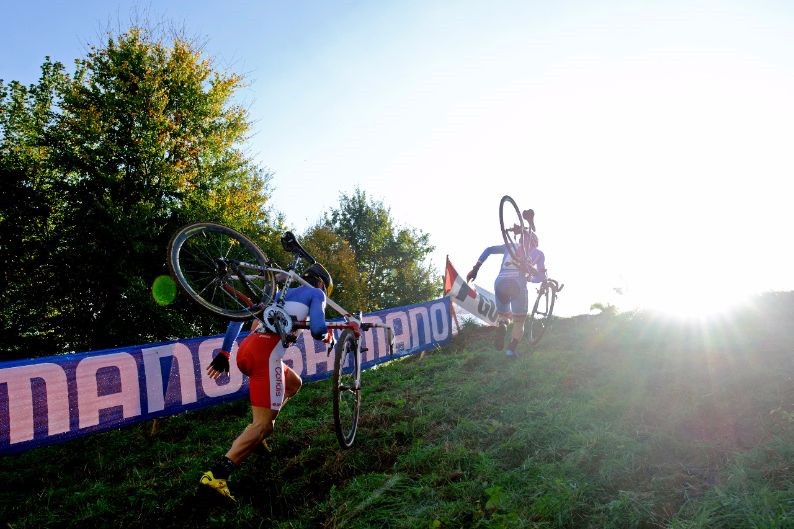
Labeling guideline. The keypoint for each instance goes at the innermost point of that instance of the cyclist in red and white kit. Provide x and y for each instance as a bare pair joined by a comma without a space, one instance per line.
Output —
270,381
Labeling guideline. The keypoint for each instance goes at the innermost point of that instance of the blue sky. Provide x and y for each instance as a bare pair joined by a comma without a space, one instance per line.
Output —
652,139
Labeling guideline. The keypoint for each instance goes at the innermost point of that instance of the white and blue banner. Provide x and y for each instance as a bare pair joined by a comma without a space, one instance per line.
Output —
54,399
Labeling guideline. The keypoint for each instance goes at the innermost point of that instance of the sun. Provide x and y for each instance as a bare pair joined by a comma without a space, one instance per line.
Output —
688,302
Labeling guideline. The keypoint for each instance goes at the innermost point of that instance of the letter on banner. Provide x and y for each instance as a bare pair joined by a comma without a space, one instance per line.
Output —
439,312
155,393
417,313
374,340
20,399
313,357
486,308
402,332
212,388
293,357
89,402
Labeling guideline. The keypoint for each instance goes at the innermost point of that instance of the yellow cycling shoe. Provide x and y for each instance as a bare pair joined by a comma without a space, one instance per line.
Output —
218,485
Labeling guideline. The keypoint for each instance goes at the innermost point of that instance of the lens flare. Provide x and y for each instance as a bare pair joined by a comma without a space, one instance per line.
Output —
164,290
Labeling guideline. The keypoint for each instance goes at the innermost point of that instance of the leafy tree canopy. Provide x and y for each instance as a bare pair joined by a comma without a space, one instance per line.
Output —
102,166
336,254
390,259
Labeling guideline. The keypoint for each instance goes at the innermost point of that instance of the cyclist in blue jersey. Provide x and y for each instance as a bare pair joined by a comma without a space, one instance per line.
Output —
510,288
271,381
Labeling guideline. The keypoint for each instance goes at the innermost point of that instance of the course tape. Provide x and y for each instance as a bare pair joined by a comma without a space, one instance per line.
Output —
54,399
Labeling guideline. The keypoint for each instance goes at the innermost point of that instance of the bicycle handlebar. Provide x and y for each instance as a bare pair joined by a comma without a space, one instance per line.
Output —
364,326
357,328
556,284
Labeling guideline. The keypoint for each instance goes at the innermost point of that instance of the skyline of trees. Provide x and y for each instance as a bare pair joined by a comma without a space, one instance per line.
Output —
102,165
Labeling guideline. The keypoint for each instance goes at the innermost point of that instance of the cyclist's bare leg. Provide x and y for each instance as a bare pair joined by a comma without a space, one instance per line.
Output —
264,420
518,327
502,319
292,382
261,426
517,333
247,442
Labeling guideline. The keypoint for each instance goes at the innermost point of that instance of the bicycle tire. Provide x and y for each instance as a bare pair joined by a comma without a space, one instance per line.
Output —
540,319
346,388
196,256
509,218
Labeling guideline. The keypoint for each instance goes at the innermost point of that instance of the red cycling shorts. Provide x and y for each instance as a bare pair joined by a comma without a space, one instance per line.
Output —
259,357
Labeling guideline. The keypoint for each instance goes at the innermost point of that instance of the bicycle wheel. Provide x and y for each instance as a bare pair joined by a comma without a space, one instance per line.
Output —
540,320
512,224
347,388
221,270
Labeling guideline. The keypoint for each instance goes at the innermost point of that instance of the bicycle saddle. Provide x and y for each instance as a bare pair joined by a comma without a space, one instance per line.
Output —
291,244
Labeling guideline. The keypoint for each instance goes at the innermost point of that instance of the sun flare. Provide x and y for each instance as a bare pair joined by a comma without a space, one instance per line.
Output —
690,302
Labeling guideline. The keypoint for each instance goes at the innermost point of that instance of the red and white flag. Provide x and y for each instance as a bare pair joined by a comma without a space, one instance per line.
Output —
473,299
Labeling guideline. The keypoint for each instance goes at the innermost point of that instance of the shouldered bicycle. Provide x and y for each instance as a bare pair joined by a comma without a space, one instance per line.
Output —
516,226
228,274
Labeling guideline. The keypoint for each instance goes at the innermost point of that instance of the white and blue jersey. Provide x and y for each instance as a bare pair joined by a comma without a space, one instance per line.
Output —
301,302
509,268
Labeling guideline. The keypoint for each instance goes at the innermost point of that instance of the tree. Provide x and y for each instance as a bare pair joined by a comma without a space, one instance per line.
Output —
148,140
335,253
389,259
143,138
31,207
604,309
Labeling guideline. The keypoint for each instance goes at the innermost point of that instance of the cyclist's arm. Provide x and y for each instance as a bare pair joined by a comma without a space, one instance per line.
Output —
499,249
483,256
314,300
232,332
537,259
317,325
220,363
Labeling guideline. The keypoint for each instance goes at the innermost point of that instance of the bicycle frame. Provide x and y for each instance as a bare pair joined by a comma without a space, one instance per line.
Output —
352,322
289,275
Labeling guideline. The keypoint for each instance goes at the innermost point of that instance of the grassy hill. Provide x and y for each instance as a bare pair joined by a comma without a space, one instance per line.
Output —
626,421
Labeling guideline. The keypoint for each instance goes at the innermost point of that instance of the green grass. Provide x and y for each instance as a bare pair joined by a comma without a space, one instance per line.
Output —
622,422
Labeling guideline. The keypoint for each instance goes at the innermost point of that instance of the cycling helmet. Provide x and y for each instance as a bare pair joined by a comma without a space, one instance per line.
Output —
318,271
533,238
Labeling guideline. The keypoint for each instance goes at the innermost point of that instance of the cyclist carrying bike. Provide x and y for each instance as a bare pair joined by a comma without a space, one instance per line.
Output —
271,381
510,286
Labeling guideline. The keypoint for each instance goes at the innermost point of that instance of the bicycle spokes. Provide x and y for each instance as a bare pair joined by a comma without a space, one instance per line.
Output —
346,388
221,269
